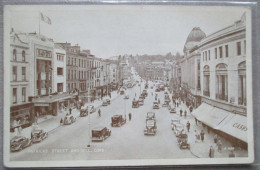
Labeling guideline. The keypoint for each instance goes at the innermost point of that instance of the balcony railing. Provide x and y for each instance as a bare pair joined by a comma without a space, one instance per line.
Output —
222,97
206,93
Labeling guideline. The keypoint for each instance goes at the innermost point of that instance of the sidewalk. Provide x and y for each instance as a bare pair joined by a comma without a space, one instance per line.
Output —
50,123
201,149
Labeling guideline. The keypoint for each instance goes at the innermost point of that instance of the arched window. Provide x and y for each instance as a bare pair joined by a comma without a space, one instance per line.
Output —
221,82
242,83
206,79
23,55
14,55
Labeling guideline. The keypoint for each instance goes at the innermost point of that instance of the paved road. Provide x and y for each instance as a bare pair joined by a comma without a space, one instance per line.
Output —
126,142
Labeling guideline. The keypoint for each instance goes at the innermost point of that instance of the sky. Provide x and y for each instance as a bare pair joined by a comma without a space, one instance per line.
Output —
112,30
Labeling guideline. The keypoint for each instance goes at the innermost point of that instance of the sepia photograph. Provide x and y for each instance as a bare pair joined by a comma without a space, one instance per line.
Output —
127,85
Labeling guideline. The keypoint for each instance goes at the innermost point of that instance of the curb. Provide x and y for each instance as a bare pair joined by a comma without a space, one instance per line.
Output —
194,153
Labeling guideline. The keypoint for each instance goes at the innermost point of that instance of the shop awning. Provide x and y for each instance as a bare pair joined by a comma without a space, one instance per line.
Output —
236,126
203,109
215,117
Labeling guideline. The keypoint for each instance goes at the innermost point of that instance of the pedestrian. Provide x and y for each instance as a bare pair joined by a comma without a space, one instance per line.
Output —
99,112
177,104
208,129
219,144
158,101
130,116
20,129
181,112
202,135
198,136
188,126
195,135
61,121
215,138
135,94
110,95
196,121
231,154
211,152
70,110
185,114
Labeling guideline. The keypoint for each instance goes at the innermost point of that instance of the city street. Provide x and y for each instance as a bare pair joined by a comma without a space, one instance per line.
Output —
69,142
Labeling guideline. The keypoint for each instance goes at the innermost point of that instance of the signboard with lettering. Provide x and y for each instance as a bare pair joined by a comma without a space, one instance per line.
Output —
43,53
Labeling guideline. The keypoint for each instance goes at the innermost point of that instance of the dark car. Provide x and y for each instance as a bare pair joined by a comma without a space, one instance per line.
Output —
145,93
122,92
117,120
83,112
19,142
135,104
38,135
100,134
156,105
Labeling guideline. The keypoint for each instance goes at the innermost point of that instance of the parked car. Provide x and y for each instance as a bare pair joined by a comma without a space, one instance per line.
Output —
105,103
126,96
19,142
38,135
100,133
145,93
118,120
173,110
135,104
150,115
174,121
69,119
165,104
108,101
142,97
141,101
156,105
150,128
83,112
178,128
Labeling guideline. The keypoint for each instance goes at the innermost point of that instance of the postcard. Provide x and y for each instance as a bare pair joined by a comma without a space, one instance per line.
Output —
127,85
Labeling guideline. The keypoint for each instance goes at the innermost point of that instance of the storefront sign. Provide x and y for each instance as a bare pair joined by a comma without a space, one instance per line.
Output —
240,127
43,53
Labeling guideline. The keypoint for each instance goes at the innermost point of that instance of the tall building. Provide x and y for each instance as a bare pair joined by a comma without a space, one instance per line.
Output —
223,82
190,68
21,108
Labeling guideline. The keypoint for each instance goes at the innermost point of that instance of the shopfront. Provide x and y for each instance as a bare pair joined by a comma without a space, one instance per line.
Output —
21,115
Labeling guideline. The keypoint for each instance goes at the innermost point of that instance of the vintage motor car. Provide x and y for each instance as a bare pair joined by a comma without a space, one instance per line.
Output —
165,104
141,101
118,120
105,103
100,134
173,110
146,86
135,104
91,109
83,112
69,119
126,96
38,135
178,128
150,115
151,127
156,105
174,121
108,100
145,93
157,90
183,141
19,142
122,92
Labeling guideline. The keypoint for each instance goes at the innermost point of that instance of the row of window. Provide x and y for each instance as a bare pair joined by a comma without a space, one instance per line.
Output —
15,73
223,51
15,92
60,57
15,55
